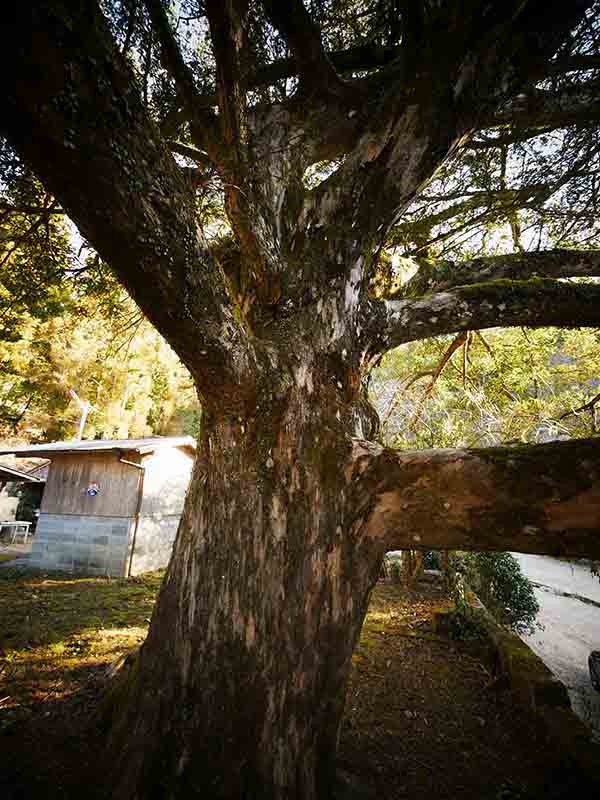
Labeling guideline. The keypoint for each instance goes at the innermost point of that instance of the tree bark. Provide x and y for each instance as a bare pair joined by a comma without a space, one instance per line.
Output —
240,686
532,499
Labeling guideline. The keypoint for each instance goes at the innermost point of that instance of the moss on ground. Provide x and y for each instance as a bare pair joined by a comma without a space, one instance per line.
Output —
54,627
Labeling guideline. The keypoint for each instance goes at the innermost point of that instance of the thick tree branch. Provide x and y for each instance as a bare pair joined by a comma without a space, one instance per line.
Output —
439,277
502,303
533,499
104,160
242,183
365,58
205,124
293,21
361,58
394,157
573,104
227,29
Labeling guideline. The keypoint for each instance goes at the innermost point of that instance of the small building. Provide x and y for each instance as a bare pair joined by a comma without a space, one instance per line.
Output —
9,501
110,507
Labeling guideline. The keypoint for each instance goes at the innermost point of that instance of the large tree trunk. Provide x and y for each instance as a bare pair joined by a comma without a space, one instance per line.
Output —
259,614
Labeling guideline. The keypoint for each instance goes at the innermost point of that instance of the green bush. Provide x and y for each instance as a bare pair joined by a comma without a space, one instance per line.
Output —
395,571
431,560
503,589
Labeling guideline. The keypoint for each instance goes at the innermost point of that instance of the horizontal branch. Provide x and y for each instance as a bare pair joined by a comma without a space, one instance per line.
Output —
504,303
188,151
533,499
577,104
355,59
574,63
589,406
559,263
493,201
24,209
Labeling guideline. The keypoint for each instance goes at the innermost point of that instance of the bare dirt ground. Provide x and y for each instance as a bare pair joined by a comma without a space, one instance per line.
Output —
425,718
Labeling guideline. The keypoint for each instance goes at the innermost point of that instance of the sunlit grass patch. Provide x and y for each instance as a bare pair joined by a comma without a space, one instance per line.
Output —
57,632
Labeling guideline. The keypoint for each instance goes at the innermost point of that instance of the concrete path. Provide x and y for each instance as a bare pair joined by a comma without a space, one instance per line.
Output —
562,576
569,598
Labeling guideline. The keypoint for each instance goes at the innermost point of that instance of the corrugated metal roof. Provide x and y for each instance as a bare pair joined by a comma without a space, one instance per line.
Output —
11,474
94,445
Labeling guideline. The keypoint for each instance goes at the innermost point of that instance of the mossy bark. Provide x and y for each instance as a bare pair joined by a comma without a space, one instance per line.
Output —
240,686
531,499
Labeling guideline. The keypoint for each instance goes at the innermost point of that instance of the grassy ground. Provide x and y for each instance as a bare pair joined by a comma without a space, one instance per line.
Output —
424,717
55,630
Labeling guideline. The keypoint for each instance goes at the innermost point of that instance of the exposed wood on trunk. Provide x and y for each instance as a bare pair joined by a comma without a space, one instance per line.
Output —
261,608
533,499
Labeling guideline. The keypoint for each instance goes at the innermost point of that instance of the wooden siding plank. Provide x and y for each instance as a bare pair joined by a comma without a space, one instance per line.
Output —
70,475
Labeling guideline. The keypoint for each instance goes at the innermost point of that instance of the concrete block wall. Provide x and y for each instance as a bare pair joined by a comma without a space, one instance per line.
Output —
83,544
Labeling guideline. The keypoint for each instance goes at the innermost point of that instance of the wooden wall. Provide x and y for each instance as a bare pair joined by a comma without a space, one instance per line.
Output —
70,475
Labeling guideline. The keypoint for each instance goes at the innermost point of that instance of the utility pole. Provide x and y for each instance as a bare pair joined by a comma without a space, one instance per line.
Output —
85,407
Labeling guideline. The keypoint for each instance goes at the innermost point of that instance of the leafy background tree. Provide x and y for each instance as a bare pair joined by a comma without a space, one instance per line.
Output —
135,383
502,387
65,323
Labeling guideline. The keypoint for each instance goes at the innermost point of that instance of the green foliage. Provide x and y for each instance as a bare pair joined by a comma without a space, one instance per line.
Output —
395,570
513,386
501,586
463,624
431,560
120,364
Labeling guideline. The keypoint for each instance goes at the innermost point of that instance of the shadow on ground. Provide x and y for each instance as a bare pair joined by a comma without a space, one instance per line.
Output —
425,716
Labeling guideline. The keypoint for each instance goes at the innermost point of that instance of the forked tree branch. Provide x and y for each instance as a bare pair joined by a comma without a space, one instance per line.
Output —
204,120
461,340
393,158
293,21
227,30
367,57
589,406
532,499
